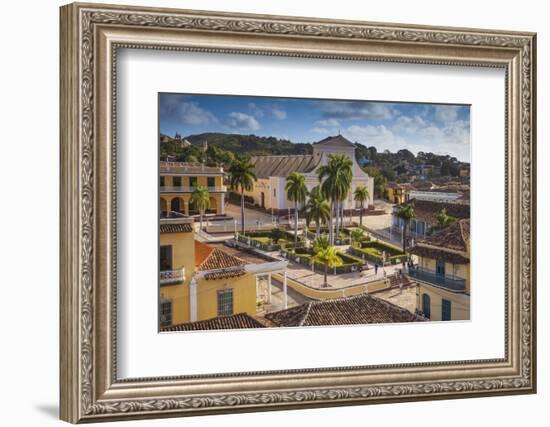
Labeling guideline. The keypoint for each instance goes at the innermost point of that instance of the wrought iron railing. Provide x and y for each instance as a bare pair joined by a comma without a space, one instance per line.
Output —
455,284
182,189
172,276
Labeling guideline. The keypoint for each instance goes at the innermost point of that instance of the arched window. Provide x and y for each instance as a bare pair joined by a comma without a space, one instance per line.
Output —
426,305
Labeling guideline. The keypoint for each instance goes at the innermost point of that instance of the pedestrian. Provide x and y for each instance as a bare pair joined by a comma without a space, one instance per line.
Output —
376,269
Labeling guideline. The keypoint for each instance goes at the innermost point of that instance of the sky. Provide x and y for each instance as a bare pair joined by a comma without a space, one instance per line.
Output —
437,128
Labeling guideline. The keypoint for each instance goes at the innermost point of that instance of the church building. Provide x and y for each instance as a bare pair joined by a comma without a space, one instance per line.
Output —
269,190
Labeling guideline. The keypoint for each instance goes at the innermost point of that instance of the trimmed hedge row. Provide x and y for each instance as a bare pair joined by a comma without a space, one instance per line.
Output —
263,240
340,240
372,251
304,256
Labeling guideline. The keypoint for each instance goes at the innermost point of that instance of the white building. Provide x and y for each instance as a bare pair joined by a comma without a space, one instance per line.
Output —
269,190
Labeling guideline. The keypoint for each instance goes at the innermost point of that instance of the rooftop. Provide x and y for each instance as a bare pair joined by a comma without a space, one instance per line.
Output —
188,168
335,141
426,210
212,258
249,256
449,244
179,225
356,310
235,321
266,166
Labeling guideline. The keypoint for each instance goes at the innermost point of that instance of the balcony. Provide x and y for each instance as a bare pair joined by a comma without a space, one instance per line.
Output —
180,189
454,284
172,277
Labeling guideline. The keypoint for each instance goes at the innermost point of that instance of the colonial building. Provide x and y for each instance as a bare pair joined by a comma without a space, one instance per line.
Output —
269,189
397,193
178,180
200,281
425,211
443,273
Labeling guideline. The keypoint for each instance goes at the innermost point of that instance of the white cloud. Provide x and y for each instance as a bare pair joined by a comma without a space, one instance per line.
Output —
324,131
242,122
446,113
278,113
255,110
328,122
380,136
408,124
188,113
355,110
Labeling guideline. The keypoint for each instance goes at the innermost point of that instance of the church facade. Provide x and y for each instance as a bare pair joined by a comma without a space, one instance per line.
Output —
269,190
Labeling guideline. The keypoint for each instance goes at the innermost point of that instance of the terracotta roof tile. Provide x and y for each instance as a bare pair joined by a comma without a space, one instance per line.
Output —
449,244
211,258
235,321
176,228
357,310
426,210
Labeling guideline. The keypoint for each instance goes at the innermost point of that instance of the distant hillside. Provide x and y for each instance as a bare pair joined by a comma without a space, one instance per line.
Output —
401,166
249,144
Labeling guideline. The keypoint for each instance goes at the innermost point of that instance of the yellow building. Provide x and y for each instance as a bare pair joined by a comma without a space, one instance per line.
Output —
178,180
397,193
200,281
443,273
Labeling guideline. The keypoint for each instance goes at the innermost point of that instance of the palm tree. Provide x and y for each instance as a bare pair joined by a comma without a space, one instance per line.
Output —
361,195
316,209
201,199
326,255
296,191
335,178
443,219
406,213
242,176
357,235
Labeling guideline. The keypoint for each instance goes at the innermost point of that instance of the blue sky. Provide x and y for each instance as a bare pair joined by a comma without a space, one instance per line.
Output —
442,129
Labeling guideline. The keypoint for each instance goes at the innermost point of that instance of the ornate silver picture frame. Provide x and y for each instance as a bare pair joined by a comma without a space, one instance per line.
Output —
91,34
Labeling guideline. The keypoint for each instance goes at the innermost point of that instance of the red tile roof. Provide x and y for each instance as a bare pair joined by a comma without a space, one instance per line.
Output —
235,321
357,310
449,244
426,210
210,258
176,228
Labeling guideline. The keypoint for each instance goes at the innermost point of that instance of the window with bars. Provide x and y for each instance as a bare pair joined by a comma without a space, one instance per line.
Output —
176,181
165,312
225,302
211,181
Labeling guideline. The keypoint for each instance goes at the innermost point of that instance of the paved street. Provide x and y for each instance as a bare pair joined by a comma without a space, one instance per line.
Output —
304,275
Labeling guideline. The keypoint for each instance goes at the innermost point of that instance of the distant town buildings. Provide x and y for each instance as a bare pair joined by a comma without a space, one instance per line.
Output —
425,216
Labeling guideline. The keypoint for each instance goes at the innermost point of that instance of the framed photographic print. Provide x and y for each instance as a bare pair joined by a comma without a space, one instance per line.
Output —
266,212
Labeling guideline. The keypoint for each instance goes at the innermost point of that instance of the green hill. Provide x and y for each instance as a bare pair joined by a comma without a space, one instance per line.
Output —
249,144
